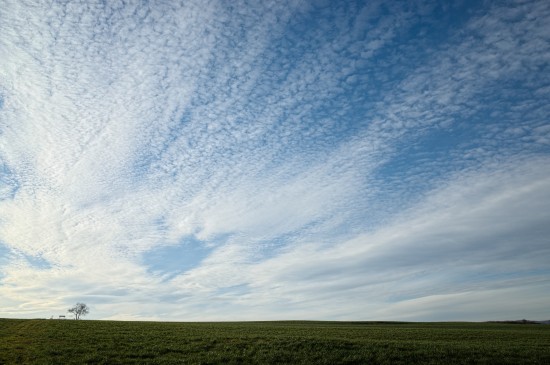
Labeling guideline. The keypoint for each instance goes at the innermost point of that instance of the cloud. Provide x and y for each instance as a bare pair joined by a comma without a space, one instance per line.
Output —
304,160
467,237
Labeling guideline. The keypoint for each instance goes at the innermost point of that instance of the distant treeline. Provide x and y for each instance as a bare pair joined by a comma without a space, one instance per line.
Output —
521,321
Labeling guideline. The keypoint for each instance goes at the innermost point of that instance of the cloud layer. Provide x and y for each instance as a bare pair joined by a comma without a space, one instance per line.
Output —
300,160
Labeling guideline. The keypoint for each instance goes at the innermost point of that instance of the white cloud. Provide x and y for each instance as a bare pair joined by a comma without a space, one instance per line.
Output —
125,128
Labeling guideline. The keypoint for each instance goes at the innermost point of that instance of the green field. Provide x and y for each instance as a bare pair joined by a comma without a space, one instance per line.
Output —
109,342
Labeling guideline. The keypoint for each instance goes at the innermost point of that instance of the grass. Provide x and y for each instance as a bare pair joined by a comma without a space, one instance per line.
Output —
109,342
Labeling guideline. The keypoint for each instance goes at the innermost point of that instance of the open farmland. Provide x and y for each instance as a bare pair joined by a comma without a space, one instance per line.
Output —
107,342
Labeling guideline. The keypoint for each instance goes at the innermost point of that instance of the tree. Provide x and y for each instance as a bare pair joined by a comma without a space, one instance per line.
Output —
80,309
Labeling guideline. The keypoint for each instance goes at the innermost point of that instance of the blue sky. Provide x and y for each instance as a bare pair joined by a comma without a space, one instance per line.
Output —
259,160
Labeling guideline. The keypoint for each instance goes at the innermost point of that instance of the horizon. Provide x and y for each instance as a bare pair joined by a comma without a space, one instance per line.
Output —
512,321
195,161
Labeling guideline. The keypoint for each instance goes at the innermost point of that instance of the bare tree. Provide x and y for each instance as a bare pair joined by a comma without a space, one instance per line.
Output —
80,309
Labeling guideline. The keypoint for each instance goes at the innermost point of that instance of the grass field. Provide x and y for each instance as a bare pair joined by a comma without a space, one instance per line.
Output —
106,342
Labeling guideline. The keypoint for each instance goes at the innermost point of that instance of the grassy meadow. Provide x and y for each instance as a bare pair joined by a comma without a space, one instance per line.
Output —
110,342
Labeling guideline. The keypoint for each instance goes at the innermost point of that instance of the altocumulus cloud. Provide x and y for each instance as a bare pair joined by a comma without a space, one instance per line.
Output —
206,160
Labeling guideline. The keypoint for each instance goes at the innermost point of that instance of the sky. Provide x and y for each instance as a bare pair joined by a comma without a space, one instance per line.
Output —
267,160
